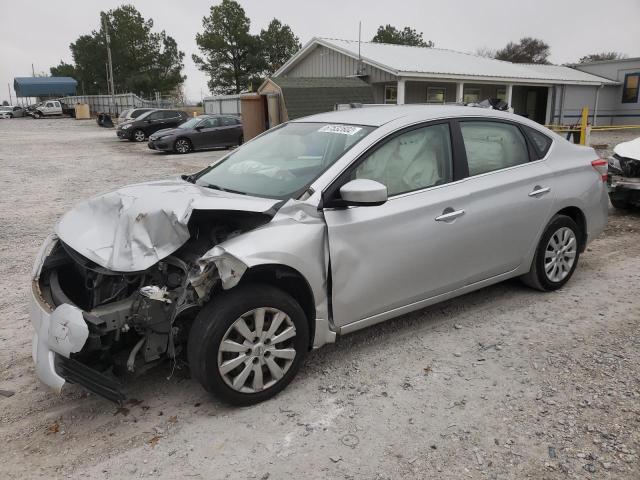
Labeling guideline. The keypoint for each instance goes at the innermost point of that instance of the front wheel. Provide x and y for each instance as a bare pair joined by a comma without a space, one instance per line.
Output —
138,136
556,256
182,145
247,344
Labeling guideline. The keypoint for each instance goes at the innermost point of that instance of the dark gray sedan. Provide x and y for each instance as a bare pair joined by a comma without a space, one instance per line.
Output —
199,133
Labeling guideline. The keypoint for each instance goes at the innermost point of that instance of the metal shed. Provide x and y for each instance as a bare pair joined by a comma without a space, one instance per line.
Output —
44,86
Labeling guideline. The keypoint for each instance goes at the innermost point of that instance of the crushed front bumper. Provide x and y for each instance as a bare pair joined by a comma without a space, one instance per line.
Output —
61,330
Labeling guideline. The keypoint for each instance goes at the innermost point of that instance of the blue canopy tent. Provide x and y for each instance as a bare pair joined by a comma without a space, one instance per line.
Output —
44,86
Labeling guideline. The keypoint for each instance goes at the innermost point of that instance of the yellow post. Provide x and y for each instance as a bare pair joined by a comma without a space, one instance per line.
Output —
583,125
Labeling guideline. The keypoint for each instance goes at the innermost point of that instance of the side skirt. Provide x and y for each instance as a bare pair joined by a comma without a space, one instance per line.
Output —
396,312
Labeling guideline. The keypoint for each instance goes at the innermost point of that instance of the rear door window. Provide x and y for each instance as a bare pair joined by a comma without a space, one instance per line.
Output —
493,146
541,143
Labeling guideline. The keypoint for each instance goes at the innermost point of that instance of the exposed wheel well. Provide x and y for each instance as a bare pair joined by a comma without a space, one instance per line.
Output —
577,216
290,281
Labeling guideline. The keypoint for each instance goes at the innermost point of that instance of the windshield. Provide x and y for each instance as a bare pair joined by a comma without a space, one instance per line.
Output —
191,123
285,161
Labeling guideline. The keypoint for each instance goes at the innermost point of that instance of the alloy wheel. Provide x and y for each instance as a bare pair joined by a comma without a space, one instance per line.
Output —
257,350
138,135
560,254
182,146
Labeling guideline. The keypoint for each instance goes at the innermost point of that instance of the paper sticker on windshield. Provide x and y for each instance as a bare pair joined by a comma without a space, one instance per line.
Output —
343,129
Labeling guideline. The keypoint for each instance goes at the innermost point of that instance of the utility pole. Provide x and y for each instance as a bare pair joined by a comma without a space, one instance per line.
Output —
110,69
33,71
10,100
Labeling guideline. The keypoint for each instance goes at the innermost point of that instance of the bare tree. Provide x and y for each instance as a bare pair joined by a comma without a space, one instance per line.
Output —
598,57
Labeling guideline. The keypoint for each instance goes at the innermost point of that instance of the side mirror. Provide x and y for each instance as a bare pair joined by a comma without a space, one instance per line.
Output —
363,192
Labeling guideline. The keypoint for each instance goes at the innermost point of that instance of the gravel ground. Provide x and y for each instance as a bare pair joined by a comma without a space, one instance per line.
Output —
502,383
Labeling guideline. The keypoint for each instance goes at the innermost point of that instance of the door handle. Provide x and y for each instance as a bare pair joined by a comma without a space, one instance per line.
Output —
449,214
537,191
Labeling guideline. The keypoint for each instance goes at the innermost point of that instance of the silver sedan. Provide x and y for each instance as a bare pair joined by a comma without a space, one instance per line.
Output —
317,228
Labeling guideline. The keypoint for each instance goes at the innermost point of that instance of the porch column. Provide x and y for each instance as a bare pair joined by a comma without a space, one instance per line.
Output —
400,92
459,92
595,107
509,94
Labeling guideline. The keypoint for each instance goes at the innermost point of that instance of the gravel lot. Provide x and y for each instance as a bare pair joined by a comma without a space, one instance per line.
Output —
502,383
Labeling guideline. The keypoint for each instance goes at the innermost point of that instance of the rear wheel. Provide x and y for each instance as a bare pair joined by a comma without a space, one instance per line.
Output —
138,136
556,256
182,145
240,140
248,344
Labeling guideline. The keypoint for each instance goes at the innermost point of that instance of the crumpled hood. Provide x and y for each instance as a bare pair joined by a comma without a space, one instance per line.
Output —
133,228
629,149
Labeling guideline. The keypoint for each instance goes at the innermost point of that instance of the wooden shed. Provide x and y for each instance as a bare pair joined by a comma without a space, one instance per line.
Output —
291,98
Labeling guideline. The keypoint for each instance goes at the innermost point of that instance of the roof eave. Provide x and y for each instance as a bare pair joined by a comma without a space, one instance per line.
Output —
308,47
487,79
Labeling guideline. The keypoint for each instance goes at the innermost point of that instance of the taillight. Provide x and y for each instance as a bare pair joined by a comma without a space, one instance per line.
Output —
602,166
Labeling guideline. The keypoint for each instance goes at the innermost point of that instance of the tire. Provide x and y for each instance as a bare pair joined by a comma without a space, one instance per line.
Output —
240,140
37,115
566,235
216,323
10,116
138,136
619,203
182,145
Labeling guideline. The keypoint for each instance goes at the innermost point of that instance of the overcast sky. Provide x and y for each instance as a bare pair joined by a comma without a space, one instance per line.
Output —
40,31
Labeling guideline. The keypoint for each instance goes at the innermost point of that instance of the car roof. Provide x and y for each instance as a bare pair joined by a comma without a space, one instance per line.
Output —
379,115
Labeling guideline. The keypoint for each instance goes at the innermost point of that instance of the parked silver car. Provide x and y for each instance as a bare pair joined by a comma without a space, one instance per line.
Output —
11,111
317,228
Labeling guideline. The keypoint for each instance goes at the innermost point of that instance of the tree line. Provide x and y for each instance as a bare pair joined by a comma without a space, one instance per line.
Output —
234,60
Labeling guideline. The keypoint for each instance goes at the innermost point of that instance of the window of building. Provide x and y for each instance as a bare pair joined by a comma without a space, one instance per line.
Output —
630,88
414,160
501,93
436,94
493,146
471,95
390,94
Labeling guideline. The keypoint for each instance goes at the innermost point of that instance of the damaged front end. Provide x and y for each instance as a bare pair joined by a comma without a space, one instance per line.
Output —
624,174
95,325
